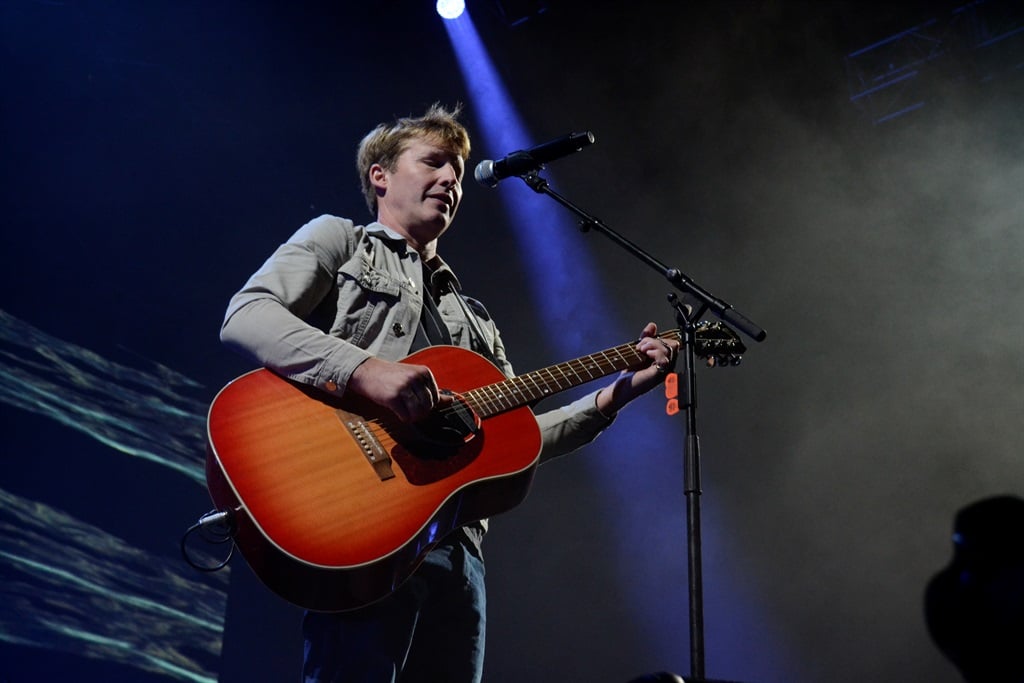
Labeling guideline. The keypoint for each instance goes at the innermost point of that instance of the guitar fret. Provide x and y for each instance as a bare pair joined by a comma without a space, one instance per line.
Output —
493,398
552,378
607,363
512,392
545,377
569,366
475,401
538,391
588,365
618,351
524,392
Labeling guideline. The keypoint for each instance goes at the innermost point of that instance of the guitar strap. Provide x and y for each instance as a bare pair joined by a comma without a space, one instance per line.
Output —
431,331
475,331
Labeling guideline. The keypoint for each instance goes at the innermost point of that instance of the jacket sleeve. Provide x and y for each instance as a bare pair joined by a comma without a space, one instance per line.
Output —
571,426
265,319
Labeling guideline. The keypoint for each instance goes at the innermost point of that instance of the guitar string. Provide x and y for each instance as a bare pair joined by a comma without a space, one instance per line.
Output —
514,392
501,392
604,362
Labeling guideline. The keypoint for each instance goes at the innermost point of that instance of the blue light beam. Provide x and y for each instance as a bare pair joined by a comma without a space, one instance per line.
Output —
560,265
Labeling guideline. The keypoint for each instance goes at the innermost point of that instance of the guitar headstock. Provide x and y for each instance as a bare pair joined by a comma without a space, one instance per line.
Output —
718,345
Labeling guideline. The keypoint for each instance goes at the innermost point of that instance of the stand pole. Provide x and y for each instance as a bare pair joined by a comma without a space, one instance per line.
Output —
692,491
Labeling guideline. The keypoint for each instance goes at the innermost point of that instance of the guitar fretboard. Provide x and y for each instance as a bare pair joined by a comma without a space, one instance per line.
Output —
523,389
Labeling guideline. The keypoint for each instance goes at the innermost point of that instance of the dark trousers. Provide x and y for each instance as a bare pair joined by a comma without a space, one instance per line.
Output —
431,629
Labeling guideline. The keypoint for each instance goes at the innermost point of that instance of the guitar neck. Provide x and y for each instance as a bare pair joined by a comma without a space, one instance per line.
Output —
524,389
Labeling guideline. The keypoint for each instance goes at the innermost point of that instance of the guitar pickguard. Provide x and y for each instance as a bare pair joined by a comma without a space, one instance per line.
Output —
445,430
438,446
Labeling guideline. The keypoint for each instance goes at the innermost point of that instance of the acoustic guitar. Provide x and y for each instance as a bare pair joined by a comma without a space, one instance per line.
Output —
335,502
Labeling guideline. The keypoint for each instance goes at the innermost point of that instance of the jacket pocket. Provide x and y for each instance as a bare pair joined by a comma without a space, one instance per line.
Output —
367,300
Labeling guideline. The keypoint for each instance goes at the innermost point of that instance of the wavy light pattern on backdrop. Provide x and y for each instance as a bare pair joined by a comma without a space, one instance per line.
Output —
69,586
147,417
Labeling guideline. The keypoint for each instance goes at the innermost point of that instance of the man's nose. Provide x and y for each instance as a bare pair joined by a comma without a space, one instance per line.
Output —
449,176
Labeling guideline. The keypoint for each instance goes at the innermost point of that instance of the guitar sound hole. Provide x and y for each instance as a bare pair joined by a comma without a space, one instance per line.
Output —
444,431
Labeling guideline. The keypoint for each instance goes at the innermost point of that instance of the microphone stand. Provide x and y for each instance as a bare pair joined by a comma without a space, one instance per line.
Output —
687,318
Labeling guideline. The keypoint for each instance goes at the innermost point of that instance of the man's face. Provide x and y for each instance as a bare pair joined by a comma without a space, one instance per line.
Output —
422,193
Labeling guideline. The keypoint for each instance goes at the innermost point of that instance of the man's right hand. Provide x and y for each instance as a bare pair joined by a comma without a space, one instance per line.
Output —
409,391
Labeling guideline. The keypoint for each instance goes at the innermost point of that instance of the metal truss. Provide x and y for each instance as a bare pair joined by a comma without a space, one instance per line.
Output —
978,42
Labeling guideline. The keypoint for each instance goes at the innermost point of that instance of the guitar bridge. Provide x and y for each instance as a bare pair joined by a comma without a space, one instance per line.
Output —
368,443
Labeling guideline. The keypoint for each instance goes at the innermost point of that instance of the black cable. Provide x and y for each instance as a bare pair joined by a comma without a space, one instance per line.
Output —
215,527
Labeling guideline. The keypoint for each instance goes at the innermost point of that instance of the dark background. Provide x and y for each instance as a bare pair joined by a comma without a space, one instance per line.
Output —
153,154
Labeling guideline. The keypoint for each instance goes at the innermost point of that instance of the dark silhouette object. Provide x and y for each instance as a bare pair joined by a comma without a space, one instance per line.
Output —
975,606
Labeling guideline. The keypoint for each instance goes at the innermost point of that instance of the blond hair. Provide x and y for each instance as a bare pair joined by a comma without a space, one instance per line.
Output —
385,143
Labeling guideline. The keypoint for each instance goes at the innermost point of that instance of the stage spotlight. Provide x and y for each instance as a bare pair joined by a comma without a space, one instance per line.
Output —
451,9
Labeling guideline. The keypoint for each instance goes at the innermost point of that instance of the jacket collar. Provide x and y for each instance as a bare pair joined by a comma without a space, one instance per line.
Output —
442,277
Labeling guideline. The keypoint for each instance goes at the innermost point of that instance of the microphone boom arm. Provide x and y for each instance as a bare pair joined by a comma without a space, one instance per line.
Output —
680,281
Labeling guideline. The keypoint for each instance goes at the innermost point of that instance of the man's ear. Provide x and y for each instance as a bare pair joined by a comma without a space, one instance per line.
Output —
378,177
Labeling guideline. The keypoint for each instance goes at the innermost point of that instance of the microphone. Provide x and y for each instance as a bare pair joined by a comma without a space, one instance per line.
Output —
525,161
